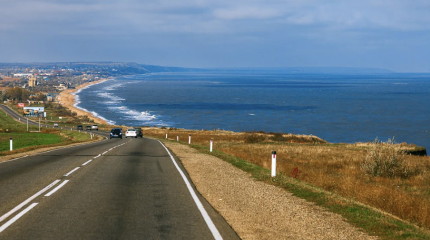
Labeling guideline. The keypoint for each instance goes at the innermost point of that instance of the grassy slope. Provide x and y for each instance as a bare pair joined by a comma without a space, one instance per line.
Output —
327,158
370,220
25,141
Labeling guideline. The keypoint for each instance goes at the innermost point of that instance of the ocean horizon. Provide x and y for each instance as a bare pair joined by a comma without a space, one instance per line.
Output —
339,108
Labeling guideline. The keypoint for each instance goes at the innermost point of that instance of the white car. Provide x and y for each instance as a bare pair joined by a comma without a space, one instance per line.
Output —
131,133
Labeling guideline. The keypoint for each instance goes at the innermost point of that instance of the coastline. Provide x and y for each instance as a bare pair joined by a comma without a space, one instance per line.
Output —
67,100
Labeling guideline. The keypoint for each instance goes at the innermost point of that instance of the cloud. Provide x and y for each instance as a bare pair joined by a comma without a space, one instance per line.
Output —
204,16
214,26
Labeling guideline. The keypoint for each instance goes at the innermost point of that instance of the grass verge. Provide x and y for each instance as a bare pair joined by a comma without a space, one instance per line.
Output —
26,141
371,220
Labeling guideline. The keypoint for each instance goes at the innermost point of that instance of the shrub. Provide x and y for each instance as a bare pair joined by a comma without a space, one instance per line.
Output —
278,137
254,137
385,160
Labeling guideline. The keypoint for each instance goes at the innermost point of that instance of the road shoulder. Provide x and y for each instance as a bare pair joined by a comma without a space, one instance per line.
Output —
256,210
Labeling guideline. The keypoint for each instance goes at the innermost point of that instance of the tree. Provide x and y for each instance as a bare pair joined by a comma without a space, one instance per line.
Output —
18,94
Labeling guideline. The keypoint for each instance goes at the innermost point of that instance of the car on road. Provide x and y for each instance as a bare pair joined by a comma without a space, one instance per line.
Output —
139,132
95,127
131,132
79,127
55,124
115,133
88,128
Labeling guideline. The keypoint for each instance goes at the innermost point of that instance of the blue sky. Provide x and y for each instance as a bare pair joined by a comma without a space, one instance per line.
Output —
390,34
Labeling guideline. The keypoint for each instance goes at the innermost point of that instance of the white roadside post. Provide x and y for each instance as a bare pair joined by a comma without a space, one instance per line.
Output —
211,146
39,124
166,135
27,124
189,139
177,138
11,144
274,164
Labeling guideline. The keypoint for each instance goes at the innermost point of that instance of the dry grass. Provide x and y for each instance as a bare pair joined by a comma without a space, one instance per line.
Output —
333,167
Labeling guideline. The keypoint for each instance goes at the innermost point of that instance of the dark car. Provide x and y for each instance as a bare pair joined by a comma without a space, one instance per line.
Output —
88,128
79,127
115,133
139,132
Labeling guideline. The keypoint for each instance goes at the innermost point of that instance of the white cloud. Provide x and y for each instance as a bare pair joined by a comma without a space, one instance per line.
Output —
247,12
204,15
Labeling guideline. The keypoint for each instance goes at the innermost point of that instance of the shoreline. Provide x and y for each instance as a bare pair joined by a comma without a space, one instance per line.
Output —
67,100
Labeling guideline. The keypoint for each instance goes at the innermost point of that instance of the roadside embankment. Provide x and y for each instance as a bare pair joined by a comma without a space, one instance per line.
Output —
257,210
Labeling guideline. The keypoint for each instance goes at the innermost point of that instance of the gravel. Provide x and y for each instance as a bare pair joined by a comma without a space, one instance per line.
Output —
256,210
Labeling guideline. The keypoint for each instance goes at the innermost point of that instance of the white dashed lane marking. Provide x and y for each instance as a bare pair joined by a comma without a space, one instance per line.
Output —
56,189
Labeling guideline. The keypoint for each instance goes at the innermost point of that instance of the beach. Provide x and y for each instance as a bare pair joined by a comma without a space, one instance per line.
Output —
67,100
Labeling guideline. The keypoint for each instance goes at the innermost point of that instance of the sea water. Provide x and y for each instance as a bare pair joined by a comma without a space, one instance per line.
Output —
337,108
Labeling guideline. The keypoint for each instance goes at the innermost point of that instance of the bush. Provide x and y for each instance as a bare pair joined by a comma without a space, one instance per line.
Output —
254,137
385,160
278,137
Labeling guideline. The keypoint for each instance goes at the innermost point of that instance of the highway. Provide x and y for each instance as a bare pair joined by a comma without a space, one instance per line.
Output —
131,188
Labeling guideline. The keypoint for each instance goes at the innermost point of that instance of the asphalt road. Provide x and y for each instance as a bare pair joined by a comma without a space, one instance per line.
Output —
127,188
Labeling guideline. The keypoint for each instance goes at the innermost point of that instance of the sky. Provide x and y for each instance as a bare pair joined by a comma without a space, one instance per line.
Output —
388,34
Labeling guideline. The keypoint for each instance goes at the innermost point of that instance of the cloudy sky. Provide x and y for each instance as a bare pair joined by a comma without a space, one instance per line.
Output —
390,34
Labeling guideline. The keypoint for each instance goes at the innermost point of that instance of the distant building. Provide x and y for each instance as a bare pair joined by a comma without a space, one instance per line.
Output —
22,74
62,86
32,81
51,97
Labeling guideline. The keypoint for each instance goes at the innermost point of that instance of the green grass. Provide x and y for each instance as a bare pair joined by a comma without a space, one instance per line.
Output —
369,220
23,140
7,124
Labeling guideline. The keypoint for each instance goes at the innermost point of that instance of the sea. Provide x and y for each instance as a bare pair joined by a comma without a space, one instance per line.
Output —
339,108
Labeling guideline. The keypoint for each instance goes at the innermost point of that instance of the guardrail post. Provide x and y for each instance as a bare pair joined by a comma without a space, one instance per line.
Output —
11,144
211,146
189,139
274,164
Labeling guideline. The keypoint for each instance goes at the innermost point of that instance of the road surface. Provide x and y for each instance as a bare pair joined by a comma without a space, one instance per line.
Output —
129,188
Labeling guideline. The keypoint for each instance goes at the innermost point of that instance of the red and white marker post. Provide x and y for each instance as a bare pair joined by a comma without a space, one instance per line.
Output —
274,164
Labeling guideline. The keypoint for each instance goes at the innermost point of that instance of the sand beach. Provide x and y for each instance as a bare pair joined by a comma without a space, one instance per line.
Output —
67,99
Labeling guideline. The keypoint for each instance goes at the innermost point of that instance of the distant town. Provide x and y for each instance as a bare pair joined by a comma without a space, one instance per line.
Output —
36,83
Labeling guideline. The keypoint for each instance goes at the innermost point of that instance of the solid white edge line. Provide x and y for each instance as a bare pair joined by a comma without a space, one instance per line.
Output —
10,222
202,210
56,189
27,201
67,174
14,159
86,162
